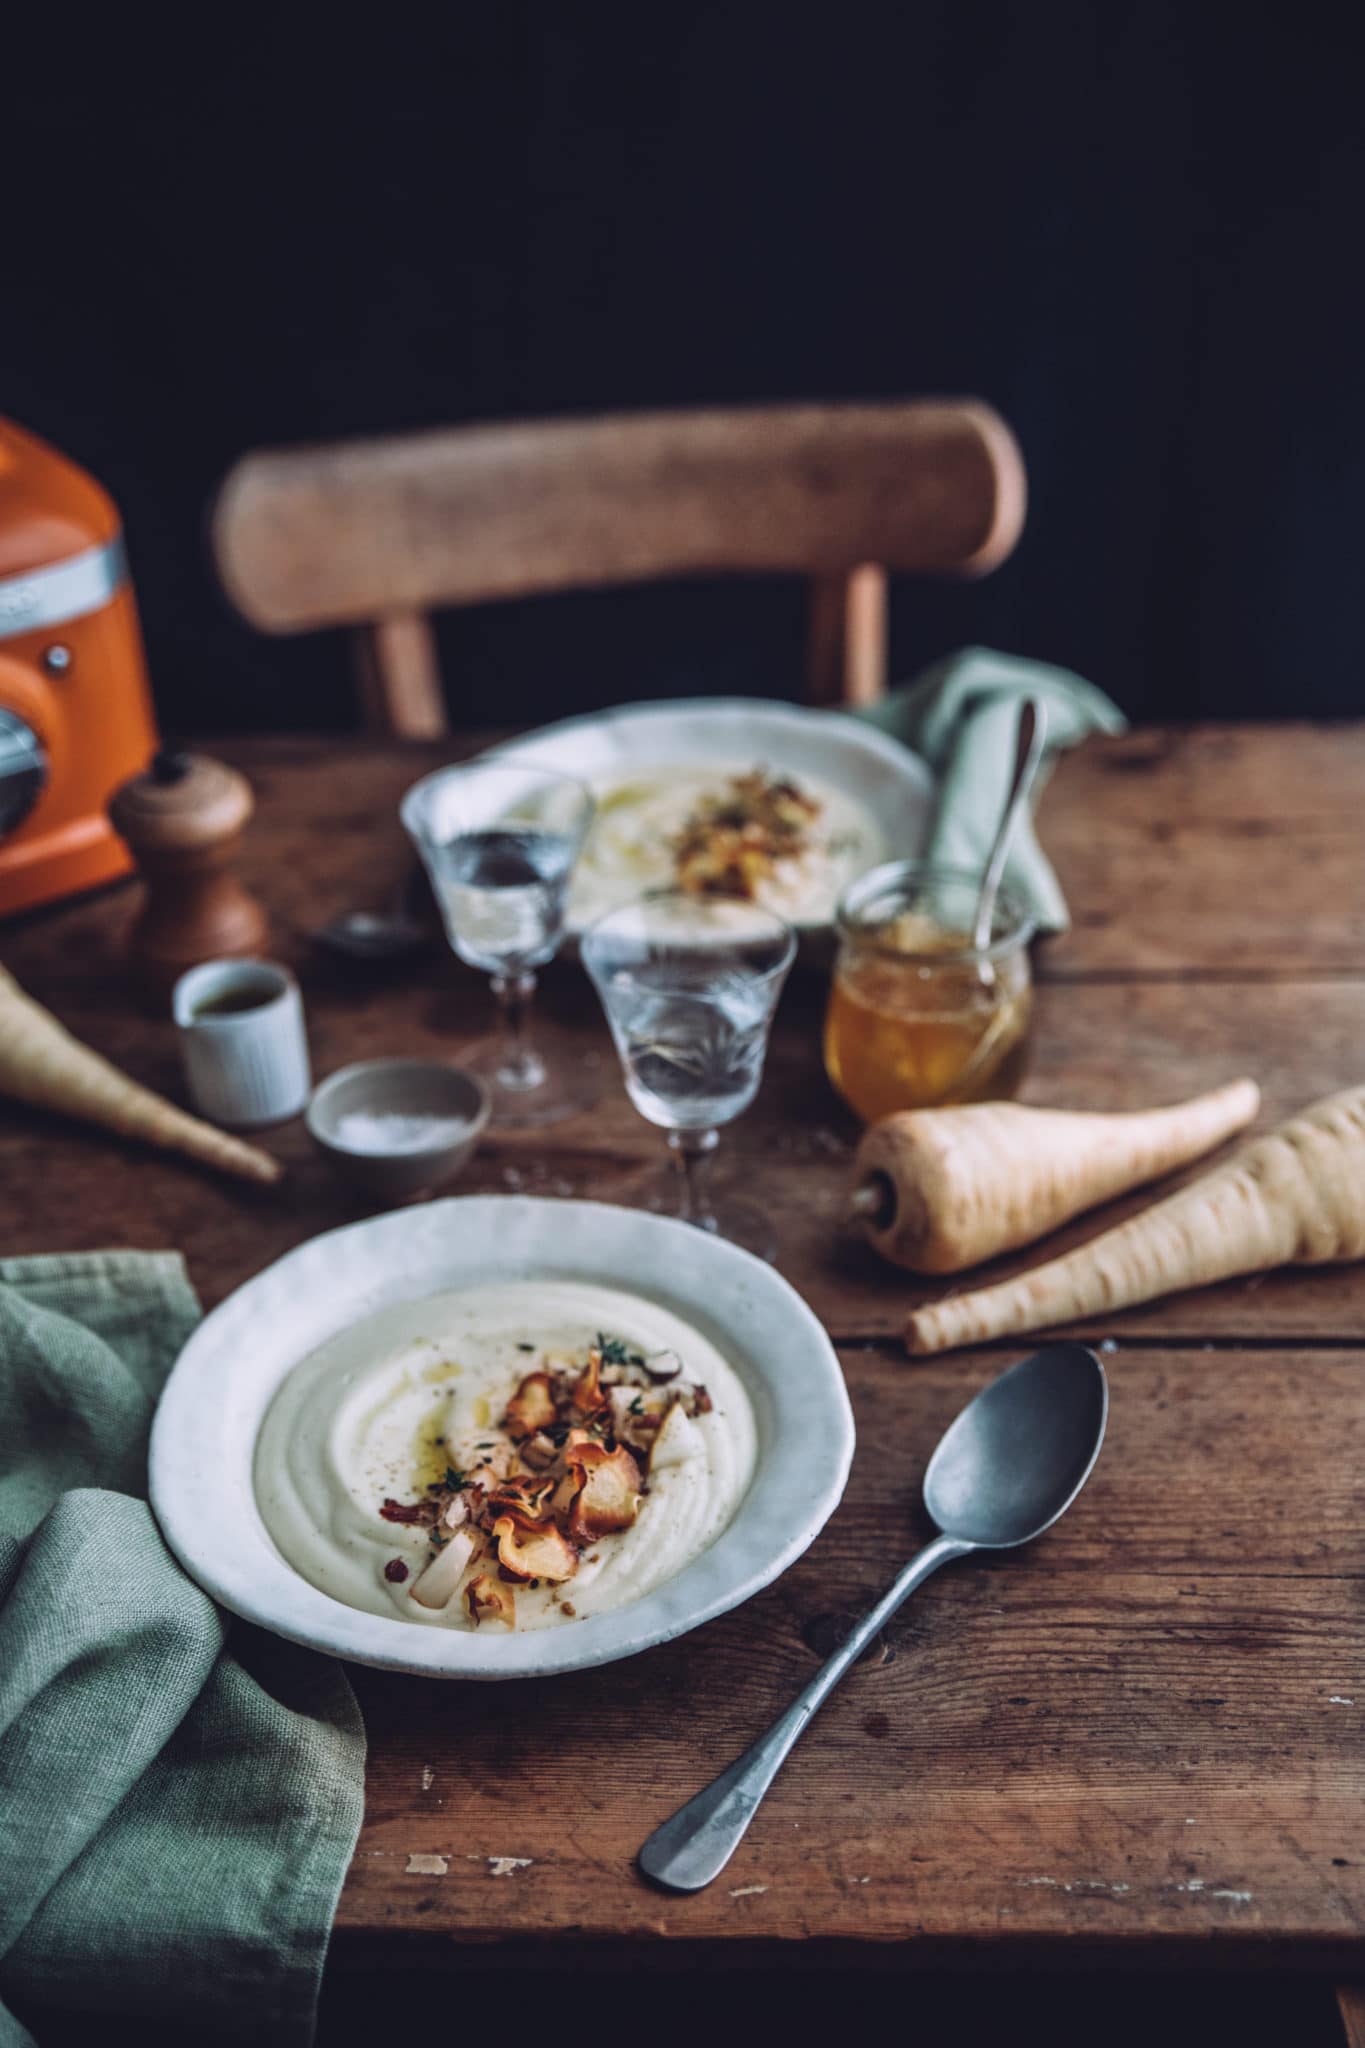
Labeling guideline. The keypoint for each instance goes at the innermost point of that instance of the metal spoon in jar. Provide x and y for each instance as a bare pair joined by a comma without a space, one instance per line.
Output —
1012,1462
1030,740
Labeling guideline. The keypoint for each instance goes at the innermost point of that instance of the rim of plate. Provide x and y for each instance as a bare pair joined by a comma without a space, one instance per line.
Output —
204,1434
892,754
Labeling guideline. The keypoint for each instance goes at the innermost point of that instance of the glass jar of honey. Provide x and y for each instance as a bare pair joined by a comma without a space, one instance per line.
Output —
918,1015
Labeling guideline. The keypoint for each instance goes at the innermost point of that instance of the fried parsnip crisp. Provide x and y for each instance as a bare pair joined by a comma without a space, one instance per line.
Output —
532,1407
578,1437
608,1495
534,1550
732,842
488,1599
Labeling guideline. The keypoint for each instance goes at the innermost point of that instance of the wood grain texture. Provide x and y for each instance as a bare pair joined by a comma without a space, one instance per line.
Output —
1212,850
1144,1732
340,534
1141,1740
1101,1045
1351,2004
1185,852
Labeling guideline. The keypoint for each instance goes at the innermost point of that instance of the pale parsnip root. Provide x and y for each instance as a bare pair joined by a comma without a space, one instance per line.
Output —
941,1189
1295,1197
42,1064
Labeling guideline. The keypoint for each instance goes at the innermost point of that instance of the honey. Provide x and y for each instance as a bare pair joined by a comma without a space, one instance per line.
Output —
916,1020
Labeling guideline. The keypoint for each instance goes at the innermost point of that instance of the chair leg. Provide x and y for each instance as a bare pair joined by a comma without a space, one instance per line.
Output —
1351,2006
400,682
846,649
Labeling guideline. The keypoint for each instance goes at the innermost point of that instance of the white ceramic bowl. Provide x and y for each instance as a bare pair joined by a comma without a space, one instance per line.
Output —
427,1089
204,1435
894,786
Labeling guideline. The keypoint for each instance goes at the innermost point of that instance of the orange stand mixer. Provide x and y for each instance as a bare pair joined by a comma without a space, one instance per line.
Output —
75,708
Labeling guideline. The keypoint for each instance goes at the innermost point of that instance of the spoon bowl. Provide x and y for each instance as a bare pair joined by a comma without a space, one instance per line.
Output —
372,935
1017,1456
405,927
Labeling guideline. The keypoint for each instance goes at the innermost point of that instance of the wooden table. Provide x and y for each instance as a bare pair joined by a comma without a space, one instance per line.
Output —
1141,1740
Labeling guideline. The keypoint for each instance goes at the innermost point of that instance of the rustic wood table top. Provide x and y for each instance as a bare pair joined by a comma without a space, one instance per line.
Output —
1140,1739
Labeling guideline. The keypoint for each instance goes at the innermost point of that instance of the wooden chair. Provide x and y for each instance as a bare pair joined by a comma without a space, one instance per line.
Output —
378,534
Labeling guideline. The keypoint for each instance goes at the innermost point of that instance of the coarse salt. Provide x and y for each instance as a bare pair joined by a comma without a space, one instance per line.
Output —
362,1130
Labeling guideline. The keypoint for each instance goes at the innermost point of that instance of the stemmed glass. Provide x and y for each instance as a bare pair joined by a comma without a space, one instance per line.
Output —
499,840
689,985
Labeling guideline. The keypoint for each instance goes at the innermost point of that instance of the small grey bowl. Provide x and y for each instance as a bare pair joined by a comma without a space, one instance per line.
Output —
406,1088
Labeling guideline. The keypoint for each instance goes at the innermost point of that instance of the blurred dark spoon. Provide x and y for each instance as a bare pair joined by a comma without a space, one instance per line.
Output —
373,937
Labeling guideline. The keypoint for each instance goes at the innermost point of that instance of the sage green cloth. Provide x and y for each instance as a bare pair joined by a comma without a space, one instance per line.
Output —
962,716
179,1799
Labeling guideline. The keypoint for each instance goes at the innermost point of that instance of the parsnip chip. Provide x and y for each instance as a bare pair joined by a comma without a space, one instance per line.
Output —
529,1550
532,1407
588,1393
522,1496
608,1496
488,1599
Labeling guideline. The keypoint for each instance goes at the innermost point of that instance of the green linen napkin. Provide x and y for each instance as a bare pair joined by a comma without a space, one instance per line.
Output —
961,716
176,1816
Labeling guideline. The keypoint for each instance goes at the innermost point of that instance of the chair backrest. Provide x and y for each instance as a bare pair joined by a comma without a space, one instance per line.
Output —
379,533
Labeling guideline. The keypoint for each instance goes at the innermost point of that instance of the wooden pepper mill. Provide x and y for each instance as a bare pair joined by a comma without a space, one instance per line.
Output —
183,818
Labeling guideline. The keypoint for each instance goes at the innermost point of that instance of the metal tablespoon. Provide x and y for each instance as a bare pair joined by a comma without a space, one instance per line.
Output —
1012,1462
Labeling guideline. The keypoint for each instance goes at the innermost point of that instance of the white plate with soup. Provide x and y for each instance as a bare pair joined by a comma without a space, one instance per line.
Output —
497,1437
824,797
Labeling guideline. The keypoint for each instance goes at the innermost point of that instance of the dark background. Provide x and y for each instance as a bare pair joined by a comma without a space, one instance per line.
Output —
1136,229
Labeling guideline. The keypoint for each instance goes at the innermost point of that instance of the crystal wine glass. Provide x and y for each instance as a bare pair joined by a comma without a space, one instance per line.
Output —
499,840
689,985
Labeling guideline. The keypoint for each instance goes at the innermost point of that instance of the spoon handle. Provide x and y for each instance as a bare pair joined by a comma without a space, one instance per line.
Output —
1030,739
697,1843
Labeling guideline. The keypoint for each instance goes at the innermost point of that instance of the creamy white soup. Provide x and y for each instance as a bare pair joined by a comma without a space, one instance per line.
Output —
519,1455
655,831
